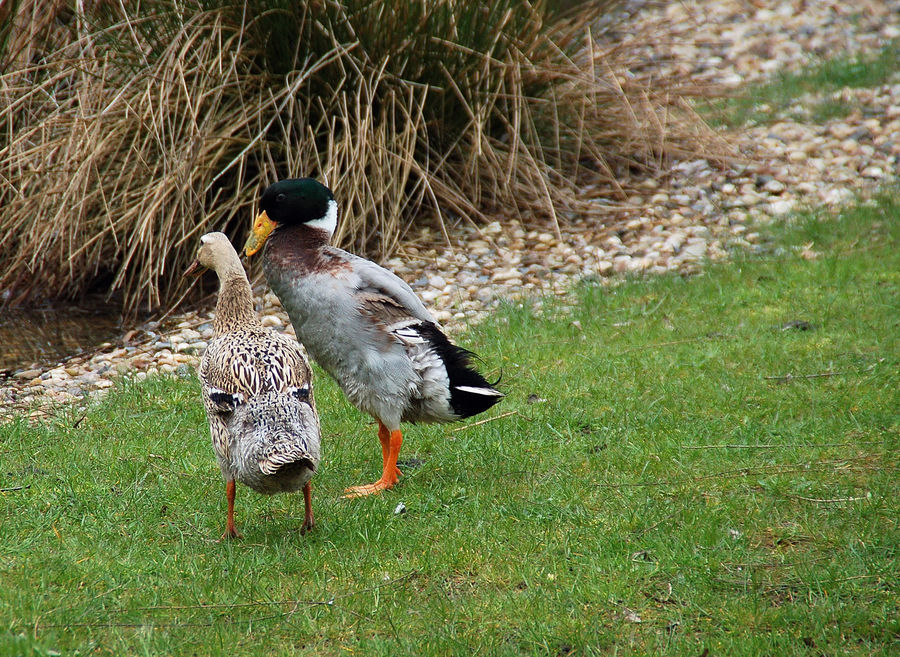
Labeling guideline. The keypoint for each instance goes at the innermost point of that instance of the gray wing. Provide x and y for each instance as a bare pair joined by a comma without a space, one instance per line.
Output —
375,282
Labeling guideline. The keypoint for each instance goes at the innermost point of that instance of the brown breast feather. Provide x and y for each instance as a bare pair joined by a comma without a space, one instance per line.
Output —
303,251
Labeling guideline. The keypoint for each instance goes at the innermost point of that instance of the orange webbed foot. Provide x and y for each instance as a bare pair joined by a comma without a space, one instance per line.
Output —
390,448
385,483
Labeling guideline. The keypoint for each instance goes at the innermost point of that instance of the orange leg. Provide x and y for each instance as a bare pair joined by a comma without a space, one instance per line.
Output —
390,450
308,521
230,531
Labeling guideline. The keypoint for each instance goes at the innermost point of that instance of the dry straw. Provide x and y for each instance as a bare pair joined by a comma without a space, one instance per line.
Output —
125,134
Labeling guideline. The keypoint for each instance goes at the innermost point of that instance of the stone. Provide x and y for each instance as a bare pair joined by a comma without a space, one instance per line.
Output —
850,146
621,263
695,249
428,296
604,267
837,196
781,207
493,228
28,374
774,187
271,321
841,130
503,275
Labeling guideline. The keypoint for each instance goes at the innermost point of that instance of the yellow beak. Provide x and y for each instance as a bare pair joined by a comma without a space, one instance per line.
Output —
262,227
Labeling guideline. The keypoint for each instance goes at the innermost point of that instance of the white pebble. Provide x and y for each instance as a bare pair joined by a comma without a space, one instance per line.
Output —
774,187
781,207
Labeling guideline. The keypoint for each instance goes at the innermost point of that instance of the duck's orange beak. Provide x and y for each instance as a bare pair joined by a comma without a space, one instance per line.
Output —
262,227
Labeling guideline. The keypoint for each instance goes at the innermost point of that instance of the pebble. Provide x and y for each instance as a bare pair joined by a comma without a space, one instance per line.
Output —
269,321
779,208
838,196
28,374
774,187
666,223
695,249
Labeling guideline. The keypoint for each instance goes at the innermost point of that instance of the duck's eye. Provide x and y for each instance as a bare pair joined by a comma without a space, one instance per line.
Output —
280,198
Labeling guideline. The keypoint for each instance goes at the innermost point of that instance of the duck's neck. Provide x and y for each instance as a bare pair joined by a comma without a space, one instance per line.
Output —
234,309
302,236
296,249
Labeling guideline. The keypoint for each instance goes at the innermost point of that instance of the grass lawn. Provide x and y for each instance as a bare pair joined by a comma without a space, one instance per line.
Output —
702,466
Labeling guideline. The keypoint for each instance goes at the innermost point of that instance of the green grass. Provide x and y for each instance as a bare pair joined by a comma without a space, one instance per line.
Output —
659,474
770,101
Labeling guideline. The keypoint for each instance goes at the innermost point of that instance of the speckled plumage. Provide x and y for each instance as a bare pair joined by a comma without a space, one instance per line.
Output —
256,366
363,324
257,389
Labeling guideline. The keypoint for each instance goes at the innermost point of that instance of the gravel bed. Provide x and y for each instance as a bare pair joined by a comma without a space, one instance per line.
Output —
698,213
733,42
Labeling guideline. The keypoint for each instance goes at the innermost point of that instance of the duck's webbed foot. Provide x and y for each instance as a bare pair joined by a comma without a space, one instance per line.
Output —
391,442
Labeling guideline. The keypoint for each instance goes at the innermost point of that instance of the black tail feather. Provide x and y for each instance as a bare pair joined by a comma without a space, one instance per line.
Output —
470,393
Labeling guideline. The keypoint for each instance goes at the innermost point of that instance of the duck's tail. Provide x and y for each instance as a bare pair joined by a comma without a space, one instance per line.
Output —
285,431
286,455
470,393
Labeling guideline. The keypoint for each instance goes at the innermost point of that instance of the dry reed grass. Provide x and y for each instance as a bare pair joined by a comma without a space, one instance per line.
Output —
124,137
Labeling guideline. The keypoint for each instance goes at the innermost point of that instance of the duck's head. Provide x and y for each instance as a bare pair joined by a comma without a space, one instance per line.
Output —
293,202
216,253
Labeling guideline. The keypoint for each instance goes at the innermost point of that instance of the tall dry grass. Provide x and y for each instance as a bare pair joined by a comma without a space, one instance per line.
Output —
125,134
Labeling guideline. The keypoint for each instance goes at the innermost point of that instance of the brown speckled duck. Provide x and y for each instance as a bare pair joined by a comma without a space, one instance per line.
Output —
362,323
257,390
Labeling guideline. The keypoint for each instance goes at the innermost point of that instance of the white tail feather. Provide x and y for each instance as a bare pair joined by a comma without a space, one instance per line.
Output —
490,392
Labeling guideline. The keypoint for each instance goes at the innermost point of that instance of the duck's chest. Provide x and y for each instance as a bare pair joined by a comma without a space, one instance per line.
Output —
322,308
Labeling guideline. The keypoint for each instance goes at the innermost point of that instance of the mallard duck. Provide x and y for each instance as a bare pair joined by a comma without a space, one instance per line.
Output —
361,323
257,390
